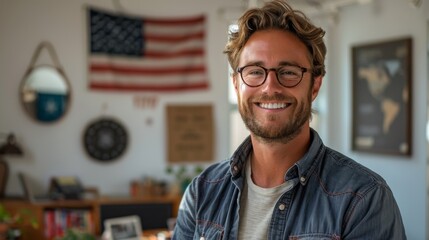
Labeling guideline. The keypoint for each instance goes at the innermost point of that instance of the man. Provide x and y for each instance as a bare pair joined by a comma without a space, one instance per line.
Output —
282,182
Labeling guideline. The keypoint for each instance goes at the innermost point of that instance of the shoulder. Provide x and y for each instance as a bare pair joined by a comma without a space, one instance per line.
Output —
216,172
214,184
215,178
339,173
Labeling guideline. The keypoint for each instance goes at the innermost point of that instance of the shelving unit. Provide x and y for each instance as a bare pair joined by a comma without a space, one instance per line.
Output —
98,209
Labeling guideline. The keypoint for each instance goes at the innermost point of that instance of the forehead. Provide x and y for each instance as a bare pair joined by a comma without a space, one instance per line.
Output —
271,47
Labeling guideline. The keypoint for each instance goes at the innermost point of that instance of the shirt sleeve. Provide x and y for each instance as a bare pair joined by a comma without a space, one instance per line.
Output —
186,223
375,215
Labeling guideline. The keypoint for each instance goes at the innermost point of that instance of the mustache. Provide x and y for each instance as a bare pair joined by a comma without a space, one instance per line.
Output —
275,97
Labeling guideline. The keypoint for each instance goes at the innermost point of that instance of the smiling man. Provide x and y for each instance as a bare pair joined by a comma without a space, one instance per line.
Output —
282,182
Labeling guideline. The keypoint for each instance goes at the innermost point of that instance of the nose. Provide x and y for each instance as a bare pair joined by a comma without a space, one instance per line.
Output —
272,84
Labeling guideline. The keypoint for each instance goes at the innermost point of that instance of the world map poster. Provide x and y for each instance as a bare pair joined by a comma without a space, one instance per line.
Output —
382,97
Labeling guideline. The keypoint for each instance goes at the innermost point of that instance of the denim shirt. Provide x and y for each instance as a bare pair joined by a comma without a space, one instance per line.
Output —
334,198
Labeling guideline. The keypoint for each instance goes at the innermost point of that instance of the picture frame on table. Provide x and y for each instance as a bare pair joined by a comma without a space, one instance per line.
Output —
382,97
124,228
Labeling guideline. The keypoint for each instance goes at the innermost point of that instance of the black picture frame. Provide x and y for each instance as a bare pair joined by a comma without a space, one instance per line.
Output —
382,97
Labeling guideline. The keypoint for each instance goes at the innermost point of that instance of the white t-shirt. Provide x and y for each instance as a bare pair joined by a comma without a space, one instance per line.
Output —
257,206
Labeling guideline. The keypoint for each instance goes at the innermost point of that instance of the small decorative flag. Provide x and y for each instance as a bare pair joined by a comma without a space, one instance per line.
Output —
146,54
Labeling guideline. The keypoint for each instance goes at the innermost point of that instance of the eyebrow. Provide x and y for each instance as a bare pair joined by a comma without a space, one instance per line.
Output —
286,63
282,63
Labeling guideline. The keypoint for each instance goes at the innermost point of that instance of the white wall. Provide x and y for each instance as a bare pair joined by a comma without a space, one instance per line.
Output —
57,149
383,20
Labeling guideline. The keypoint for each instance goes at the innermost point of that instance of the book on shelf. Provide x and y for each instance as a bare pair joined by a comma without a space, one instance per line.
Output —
57,221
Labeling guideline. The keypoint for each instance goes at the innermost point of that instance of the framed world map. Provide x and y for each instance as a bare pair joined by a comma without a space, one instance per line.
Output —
381,121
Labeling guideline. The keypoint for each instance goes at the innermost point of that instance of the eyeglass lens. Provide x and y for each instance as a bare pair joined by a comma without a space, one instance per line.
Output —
288,76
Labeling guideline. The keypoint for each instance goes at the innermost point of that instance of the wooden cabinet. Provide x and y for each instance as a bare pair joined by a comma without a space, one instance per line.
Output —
153,211
42,208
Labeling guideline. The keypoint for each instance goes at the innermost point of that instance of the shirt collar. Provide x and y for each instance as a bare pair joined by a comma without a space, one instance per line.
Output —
239,157
308,163
302,169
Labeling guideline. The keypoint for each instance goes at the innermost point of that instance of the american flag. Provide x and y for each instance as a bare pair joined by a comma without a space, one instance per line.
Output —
146,54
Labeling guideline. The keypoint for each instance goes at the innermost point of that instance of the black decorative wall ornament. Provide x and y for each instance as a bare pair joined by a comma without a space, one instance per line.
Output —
105,139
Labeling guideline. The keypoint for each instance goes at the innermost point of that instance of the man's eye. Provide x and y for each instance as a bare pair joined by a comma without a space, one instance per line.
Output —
256,72
288,72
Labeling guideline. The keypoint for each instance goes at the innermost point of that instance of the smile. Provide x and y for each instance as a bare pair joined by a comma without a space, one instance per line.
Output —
273,105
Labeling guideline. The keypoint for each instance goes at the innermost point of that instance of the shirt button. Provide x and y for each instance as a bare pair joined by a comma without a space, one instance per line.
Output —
302,179
282,207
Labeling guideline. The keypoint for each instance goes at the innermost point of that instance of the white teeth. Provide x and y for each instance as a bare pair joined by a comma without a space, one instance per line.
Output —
273,105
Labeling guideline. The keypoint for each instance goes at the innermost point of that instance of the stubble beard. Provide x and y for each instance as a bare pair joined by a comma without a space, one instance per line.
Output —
282,134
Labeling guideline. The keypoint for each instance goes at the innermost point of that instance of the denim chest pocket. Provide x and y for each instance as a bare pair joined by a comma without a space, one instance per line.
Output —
208,231
315,236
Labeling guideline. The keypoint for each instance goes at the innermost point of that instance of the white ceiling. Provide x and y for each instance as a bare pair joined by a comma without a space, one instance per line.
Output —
312,8
320,7
315,7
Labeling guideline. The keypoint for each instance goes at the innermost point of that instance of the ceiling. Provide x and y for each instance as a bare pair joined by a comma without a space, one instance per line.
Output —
316,7
312,8
324,7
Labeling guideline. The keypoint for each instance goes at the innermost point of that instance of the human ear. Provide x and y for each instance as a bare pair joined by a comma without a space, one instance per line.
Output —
316,87
235,82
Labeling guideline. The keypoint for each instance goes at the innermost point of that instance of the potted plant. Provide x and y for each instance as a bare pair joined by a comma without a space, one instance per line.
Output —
77,234
183,174
4,223
7,220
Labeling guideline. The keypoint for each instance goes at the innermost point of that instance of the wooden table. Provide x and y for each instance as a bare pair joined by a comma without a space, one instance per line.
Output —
153,234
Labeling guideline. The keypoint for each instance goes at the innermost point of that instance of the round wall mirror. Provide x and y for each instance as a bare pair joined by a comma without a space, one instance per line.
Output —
45,93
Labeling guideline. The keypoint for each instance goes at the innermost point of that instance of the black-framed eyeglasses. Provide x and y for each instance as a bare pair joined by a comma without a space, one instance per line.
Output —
288,75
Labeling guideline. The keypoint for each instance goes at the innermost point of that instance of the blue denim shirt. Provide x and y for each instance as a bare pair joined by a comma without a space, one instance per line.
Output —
334,198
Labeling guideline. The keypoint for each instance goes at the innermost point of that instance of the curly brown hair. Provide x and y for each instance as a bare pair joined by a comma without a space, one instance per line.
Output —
278,14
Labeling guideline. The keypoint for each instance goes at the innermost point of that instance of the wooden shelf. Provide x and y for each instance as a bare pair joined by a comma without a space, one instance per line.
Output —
39,209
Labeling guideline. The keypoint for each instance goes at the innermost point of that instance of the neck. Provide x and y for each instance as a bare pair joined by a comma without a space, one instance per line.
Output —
270,161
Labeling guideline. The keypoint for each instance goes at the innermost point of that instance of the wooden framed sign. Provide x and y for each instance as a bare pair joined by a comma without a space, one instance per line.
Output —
190,133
